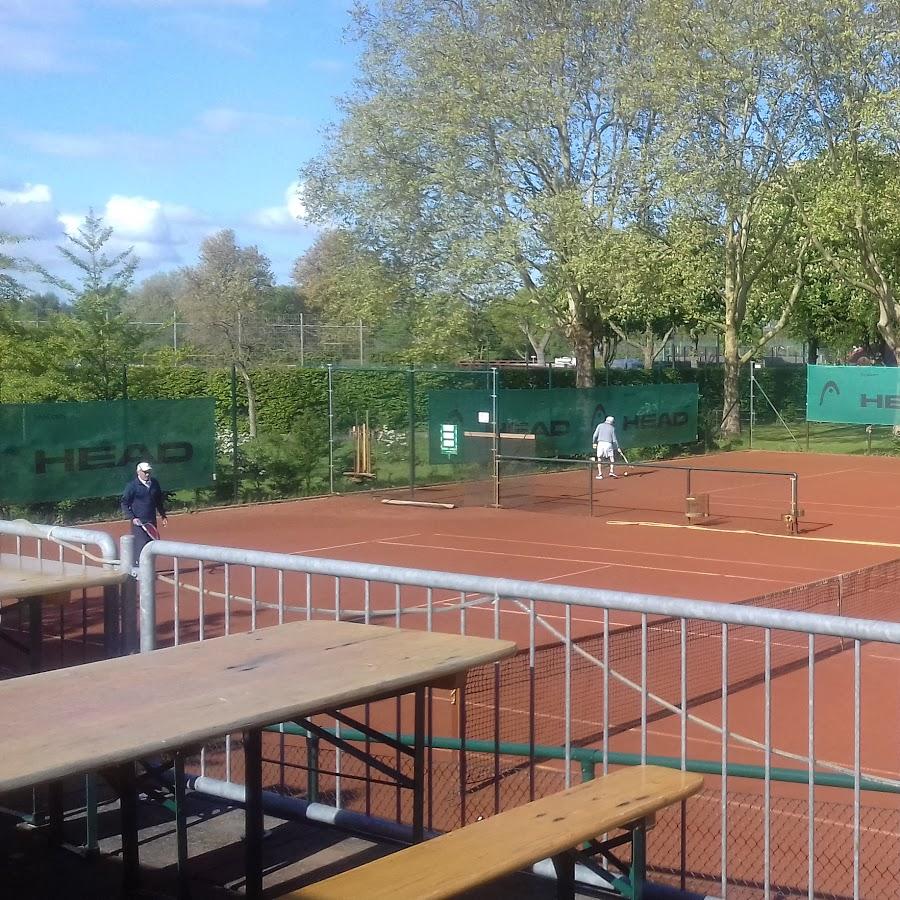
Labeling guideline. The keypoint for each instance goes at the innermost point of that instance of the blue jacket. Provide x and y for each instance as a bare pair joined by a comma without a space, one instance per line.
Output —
142,502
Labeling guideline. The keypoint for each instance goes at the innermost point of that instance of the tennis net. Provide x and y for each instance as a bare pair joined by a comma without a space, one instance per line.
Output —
668,491
509,697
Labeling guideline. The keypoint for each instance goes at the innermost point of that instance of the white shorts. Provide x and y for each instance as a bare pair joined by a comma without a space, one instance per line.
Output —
605,451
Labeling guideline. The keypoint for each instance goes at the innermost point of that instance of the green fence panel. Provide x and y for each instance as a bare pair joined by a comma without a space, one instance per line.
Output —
559,422
69,451
864,395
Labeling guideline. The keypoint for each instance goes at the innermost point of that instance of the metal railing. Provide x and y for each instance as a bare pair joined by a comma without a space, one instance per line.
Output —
37,538
599,672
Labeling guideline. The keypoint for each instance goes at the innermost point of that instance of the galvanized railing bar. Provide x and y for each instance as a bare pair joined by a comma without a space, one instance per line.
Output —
652,604
99,539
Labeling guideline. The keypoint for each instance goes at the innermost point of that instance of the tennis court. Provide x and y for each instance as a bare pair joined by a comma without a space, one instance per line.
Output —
634,545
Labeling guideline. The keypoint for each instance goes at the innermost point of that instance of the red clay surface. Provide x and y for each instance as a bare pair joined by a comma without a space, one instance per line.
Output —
853,502
636,541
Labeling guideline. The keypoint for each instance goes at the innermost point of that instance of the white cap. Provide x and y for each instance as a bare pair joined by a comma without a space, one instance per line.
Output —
610,420
144,467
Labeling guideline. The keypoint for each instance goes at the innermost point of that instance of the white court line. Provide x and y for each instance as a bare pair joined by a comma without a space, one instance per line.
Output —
396,543
758,807
490,599
735,562
353,544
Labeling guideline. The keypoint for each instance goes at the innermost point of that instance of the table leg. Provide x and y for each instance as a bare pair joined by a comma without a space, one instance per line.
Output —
181,838
127,786
91,823
55,812
253,814
419,767
35,633
111,614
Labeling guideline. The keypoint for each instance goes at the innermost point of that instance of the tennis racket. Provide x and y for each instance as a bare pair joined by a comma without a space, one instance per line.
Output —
625,458
151,530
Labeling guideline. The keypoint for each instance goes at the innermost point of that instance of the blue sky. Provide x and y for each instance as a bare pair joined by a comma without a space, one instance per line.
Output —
172,118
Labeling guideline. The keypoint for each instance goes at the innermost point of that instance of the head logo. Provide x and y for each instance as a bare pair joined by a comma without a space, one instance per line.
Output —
830,388
599,413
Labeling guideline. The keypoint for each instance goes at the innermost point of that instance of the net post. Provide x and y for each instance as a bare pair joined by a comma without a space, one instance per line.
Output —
590,475
795,500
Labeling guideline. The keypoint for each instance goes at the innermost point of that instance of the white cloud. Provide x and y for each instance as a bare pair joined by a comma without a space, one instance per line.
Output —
136,218
28,193
28,211
290,216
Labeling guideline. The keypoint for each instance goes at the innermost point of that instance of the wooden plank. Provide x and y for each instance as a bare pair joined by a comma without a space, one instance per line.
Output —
87,717
484,851
22,577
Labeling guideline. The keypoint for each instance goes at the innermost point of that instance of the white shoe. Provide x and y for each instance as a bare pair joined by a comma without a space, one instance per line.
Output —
613,475
598,478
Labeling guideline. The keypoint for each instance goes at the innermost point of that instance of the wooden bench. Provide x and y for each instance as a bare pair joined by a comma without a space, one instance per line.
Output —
558,827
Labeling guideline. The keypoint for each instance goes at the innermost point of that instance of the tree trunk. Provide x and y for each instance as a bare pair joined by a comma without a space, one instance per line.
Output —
583,346
695,351
648,348
812,350
731,407
251,399
539,345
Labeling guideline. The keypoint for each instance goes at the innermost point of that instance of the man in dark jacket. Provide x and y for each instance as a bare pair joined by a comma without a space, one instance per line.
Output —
141,500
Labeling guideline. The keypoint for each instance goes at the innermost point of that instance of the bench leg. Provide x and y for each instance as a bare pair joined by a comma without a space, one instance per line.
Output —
253,814
564,864
638,860
128,808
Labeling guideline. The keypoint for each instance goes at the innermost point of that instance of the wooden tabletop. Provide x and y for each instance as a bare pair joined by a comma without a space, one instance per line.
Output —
86,717
25,576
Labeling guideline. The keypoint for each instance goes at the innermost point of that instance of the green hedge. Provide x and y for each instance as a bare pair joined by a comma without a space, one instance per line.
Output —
283,394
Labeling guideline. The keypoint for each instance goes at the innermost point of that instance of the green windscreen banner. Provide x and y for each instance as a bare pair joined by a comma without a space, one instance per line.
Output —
864,395
558,421
68,451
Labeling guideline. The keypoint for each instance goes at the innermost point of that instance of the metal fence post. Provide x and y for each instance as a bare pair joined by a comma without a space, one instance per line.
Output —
234,436
412,431
330,427
495,418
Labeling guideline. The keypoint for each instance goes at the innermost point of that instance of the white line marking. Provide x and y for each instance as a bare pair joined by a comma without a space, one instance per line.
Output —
781,581
733,562
352,544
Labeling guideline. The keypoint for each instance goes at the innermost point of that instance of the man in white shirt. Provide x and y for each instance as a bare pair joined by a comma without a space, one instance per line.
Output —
605,446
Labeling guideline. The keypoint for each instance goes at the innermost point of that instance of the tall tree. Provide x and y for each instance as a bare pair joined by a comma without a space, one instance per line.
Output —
102,340
732,118
846,60
225,291
344,283
476,123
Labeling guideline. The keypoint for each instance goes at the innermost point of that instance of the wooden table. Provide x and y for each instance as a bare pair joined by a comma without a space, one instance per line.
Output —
106,715
39,581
